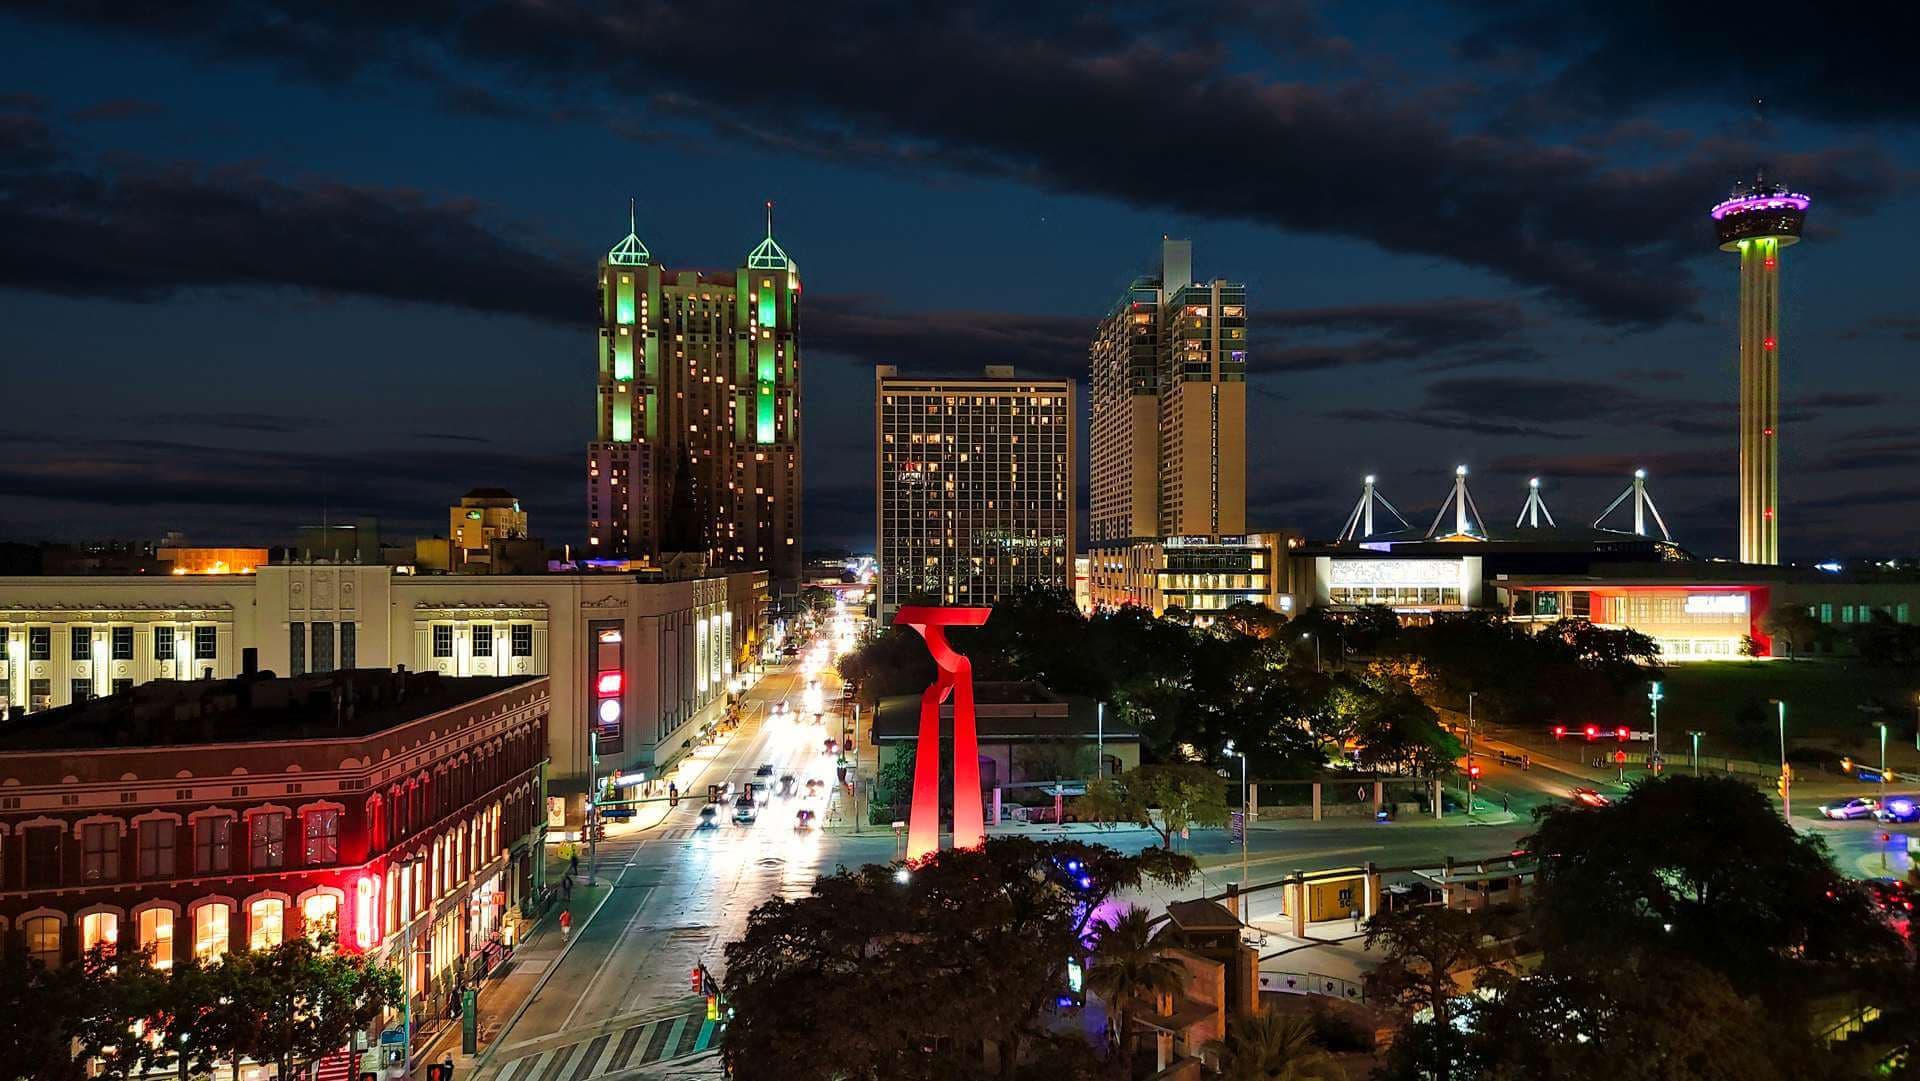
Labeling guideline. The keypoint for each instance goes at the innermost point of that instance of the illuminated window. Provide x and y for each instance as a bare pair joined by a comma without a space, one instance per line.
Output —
163,643
266,923
43,939
442,640
322,835
101,929
267,837
320,915
205,643
210,931
523,639
156,934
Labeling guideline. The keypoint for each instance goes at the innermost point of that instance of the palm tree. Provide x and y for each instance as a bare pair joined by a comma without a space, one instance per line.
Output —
1127,965
1270,1046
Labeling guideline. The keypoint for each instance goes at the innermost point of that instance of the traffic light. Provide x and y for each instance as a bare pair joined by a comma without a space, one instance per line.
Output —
1780,785
1621,733
1619,758
1593,731
698,983
1473,769
713,1006
1559,731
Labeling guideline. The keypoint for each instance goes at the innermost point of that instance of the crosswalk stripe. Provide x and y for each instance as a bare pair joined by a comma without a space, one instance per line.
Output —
625,1049
706,1036
561,1060
530,1062
591,1058
672,1046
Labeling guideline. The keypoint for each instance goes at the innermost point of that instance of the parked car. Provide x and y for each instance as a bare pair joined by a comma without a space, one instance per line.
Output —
1857,807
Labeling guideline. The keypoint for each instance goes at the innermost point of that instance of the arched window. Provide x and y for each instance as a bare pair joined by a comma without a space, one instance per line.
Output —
320,915
43,939
100,929
156,933
211,937
266,923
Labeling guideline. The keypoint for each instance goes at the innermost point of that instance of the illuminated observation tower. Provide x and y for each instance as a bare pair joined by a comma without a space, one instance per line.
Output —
1758,220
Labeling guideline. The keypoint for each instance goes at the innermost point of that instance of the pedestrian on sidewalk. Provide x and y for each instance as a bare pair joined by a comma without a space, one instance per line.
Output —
1356,919
566,890
566,924
1506,802
573,863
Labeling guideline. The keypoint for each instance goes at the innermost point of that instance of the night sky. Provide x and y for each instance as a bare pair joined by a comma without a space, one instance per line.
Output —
259,265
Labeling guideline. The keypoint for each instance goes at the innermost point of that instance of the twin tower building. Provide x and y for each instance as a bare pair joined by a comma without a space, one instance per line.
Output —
697,426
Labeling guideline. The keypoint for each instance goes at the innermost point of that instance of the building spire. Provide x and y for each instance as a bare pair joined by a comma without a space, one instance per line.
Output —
769,255
630,252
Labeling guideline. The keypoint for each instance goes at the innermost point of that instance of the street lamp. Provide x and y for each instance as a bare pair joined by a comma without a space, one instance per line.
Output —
1653,700
1471,695
1695,733
1786,779
1316,661
1243,829
1882,726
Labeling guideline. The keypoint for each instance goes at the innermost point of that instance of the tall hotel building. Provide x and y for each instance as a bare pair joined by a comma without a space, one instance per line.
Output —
697,447
1169,446
974,486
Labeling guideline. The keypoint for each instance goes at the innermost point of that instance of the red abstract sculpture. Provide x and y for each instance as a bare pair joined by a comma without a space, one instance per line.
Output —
955,677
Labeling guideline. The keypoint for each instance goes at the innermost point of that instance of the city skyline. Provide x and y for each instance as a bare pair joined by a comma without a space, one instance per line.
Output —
258,279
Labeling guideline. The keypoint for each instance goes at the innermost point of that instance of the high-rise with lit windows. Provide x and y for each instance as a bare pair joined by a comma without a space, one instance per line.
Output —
1758,220
974,487
697,442
1168,455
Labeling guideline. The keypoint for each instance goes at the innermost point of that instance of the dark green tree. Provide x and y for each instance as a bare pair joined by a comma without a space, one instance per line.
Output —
1127,967
1428,954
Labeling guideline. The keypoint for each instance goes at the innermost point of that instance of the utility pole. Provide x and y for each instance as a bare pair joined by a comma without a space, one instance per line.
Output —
593,799
1471,695
1100,741
1786,779
1653,699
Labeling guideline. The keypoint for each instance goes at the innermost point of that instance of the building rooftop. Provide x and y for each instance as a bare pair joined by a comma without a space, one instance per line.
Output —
1006,711
248,709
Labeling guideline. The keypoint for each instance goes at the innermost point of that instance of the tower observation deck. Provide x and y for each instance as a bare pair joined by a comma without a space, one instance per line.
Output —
1757,221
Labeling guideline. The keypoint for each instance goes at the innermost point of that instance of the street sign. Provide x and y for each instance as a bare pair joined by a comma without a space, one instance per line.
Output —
392,1036
1237,823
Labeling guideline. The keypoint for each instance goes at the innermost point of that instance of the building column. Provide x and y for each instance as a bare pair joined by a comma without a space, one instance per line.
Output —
1379,795
1253,801
1316,801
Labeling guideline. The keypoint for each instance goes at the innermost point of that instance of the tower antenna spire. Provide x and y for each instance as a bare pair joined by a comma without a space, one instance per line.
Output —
769,219
633,219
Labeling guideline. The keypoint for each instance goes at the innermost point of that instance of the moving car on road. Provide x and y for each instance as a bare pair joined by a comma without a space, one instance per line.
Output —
709,815
787,785
803,819
745,810
1898,809
1587,797
1857,807
765,770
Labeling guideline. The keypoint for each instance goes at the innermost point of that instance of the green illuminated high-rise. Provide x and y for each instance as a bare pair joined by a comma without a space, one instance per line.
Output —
697,443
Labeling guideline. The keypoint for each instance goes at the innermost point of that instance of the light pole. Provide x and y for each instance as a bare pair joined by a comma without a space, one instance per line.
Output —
1316,660
1243,831
1786,779
1100,741
1882,726
407,868
1471,695
1695,733
1653,700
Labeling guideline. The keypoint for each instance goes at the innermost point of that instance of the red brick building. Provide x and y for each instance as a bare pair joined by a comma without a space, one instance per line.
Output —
209,816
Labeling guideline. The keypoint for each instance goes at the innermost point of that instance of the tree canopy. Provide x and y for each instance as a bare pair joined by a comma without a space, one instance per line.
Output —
870,977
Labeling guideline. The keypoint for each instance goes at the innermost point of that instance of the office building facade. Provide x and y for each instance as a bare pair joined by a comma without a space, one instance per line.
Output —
974,486
73,638
697,441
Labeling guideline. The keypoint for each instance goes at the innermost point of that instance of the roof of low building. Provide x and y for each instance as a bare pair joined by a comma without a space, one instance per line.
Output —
248,709
1015,710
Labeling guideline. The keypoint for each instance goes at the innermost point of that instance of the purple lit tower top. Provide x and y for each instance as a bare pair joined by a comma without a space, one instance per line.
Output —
1760,208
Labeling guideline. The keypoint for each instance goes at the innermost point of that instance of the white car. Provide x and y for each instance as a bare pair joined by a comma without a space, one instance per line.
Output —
1857,807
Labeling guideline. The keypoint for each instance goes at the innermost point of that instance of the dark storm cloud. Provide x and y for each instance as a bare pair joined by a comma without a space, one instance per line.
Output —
1665,464
399,485
1455,332
947,342
143,233
1605,57
120,109
1455,422
1141,104
233,421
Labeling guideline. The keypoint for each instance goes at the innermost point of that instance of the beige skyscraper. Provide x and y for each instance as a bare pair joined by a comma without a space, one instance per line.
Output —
1168,455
